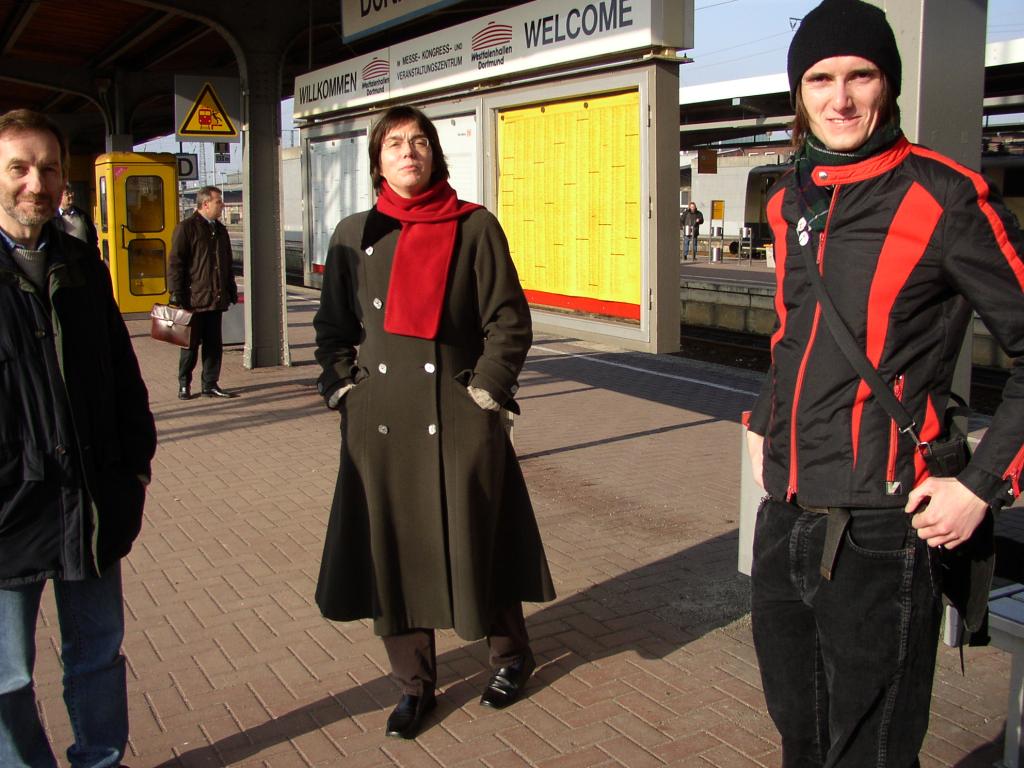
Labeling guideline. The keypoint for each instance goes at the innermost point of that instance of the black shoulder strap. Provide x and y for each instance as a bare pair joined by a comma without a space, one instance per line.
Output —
854,354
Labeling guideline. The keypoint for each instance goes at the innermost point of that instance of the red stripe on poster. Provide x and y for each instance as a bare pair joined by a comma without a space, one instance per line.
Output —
583,304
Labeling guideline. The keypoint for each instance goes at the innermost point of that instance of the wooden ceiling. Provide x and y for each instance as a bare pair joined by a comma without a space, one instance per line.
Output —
85,61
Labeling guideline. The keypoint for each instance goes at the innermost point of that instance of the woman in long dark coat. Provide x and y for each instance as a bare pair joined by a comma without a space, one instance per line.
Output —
422,331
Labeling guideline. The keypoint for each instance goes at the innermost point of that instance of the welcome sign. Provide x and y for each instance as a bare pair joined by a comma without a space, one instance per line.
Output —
529,37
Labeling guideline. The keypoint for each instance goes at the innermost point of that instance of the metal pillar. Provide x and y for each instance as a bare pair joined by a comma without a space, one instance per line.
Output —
120,142
266,330
664,180
942,44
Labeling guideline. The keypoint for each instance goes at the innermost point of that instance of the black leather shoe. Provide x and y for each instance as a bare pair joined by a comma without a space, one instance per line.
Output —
507,683
407,717
216,391
184,393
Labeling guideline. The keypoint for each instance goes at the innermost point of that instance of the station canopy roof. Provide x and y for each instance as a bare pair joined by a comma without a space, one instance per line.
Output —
77,61
84,63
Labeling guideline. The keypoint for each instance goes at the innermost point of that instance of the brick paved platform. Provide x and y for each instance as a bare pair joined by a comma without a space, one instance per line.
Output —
646,655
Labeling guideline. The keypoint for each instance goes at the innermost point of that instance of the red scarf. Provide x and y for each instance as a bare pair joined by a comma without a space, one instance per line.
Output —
419,270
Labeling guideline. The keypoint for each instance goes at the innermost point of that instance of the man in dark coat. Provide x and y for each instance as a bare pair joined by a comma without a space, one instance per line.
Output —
76,440
200,279
690,221
431,525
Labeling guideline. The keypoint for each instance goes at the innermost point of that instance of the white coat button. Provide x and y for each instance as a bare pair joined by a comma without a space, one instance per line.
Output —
382,368
369,250
429,368
377,303
432,429
822,174
382,428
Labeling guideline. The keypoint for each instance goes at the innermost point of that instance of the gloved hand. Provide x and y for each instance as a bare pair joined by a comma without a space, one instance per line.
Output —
335,399
178,300
483,398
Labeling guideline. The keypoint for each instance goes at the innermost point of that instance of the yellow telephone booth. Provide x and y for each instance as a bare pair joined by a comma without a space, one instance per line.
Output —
137,198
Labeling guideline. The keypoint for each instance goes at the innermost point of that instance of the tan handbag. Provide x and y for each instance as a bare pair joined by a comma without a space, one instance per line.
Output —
171,324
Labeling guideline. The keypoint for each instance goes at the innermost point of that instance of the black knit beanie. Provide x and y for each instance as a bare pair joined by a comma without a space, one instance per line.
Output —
844,28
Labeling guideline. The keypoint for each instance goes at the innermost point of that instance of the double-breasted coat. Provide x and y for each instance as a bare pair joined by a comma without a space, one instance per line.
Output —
431,524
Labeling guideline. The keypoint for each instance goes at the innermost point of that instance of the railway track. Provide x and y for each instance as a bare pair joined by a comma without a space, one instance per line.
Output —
752,352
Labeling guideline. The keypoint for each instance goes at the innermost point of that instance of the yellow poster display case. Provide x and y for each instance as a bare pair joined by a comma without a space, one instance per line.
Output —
136,199
569,199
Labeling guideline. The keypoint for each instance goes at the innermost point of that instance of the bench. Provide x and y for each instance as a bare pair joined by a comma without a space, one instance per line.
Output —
1006,627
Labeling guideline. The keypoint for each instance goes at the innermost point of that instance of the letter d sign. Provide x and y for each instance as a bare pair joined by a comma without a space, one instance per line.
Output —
187,166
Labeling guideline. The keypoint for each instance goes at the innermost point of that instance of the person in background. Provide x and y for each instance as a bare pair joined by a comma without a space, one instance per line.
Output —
74,220
422,330
845,589
200,279
76,441
690,222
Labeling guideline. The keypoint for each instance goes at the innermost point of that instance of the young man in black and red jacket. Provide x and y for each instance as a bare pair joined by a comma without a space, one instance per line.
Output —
907,243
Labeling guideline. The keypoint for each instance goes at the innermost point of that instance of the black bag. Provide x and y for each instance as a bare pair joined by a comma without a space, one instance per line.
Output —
967,570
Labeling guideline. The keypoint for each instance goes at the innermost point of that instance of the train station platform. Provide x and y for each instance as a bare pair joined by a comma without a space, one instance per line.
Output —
645,658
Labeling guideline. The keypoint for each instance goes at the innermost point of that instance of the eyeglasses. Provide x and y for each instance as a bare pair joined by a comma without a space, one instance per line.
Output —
395,143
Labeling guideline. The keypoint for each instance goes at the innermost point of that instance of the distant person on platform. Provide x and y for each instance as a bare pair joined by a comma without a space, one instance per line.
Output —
201,280
76,441
74,220
691,221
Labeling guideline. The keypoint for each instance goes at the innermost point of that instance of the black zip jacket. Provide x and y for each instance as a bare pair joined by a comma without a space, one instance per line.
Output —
76,432
913,242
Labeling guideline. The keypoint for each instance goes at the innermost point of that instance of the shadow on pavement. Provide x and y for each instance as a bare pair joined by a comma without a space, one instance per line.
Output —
985,756
680,597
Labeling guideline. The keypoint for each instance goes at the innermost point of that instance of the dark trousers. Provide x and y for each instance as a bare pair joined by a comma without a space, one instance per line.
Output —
414,659
846,664
206,332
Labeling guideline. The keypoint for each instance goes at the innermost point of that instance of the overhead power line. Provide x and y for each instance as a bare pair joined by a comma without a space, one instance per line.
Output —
714,5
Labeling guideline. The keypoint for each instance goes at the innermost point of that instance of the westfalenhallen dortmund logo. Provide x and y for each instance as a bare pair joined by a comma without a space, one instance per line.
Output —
376,76
491,44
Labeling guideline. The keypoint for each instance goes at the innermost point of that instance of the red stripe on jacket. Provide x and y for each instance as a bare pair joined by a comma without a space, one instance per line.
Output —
905,243
1013,259
778,226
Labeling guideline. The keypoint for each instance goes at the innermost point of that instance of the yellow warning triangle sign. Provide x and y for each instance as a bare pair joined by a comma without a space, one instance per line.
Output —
207,117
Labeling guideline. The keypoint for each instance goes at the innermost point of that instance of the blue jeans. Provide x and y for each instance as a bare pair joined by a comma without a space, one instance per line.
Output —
688,243
846,664
91,616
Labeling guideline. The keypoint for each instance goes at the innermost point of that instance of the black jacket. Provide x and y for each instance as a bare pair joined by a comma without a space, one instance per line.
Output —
199,265
75,427
91,236
913,242
691,219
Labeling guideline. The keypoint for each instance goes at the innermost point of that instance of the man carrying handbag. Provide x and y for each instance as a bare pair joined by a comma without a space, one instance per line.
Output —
896,244
200,279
